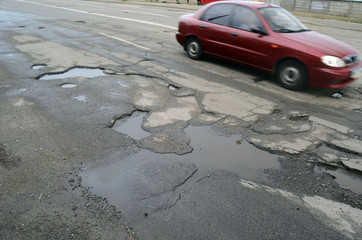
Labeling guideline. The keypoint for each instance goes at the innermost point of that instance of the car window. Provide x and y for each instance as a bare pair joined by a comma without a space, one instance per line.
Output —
246,19
219,14
281,20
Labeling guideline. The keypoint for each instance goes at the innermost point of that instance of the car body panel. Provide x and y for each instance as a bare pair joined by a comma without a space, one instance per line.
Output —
265,50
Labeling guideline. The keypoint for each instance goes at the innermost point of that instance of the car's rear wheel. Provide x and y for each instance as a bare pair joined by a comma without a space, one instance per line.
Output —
292,75
194,48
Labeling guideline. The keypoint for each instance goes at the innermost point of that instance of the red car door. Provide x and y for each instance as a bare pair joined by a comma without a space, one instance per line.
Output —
213,30
248,39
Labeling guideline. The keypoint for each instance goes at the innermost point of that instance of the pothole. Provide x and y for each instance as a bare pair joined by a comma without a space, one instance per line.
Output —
132,126
68,85
211,150
173,87
345,179
74,72
148,181
38,66
297,116
180,91
215,151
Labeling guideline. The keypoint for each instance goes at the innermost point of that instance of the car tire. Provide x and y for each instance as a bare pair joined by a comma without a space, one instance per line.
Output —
292,75
194,48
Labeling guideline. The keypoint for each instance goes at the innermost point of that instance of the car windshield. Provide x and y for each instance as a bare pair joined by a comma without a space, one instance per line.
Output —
281,21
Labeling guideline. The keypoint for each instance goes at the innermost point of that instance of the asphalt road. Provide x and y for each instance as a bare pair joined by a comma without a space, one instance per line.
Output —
138,141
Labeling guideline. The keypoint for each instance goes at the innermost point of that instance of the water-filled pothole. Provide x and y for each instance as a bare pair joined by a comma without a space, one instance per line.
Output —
146,181
38,66
216,151
173,87
211,151
132,126
344,179
68,85
75,72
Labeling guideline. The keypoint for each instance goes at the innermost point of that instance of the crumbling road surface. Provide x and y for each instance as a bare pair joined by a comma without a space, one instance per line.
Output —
109,131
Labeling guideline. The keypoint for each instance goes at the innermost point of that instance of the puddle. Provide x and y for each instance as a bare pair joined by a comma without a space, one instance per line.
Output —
344,179
132,126
127,181
38,66
215,151
327,149
68,85
81,98
75,72
211,151
173,87
144,182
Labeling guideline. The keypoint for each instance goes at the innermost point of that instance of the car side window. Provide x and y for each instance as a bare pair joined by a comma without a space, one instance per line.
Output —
218,14
246,19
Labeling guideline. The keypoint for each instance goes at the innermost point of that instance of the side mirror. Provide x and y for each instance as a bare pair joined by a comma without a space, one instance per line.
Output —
258,31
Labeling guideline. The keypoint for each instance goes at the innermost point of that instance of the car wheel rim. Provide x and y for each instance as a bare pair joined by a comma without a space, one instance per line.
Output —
290,75
194,48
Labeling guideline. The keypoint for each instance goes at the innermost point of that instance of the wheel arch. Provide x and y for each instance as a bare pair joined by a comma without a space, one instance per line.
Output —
280,61
290,65
187,39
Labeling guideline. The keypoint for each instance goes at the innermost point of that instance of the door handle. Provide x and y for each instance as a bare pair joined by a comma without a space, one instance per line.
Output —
202,26
234,34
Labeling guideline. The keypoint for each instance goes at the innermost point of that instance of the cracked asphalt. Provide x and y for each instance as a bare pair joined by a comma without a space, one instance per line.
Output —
227,153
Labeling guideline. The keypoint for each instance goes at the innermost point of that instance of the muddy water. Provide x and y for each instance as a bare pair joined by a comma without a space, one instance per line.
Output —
38,66
132,126
344,179
68,85
75,72
146,180
213,150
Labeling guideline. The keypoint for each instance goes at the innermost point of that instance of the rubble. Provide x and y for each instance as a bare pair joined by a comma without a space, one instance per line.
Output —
353,164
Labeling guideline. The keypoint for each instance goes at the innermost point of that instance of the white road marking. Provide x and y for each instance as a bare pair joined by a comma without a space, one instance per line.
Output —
134,20
102,15
91,5
153,14
130,43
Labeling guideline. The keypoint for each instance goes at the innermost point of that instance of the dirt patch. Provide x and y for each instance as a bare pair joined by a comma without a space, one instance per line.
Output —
7,160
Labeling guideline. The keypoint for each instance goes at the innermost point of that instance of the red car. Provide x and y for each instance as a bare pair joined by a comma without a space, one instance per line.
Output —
269,38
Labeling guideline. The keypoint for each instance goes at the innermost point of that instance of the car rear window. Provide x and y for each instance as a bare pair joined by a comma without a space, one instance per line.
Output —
219,14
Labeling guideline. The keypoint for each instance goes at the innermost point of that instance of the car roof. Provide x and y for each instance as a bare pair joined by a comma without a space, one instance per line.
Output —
252,4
